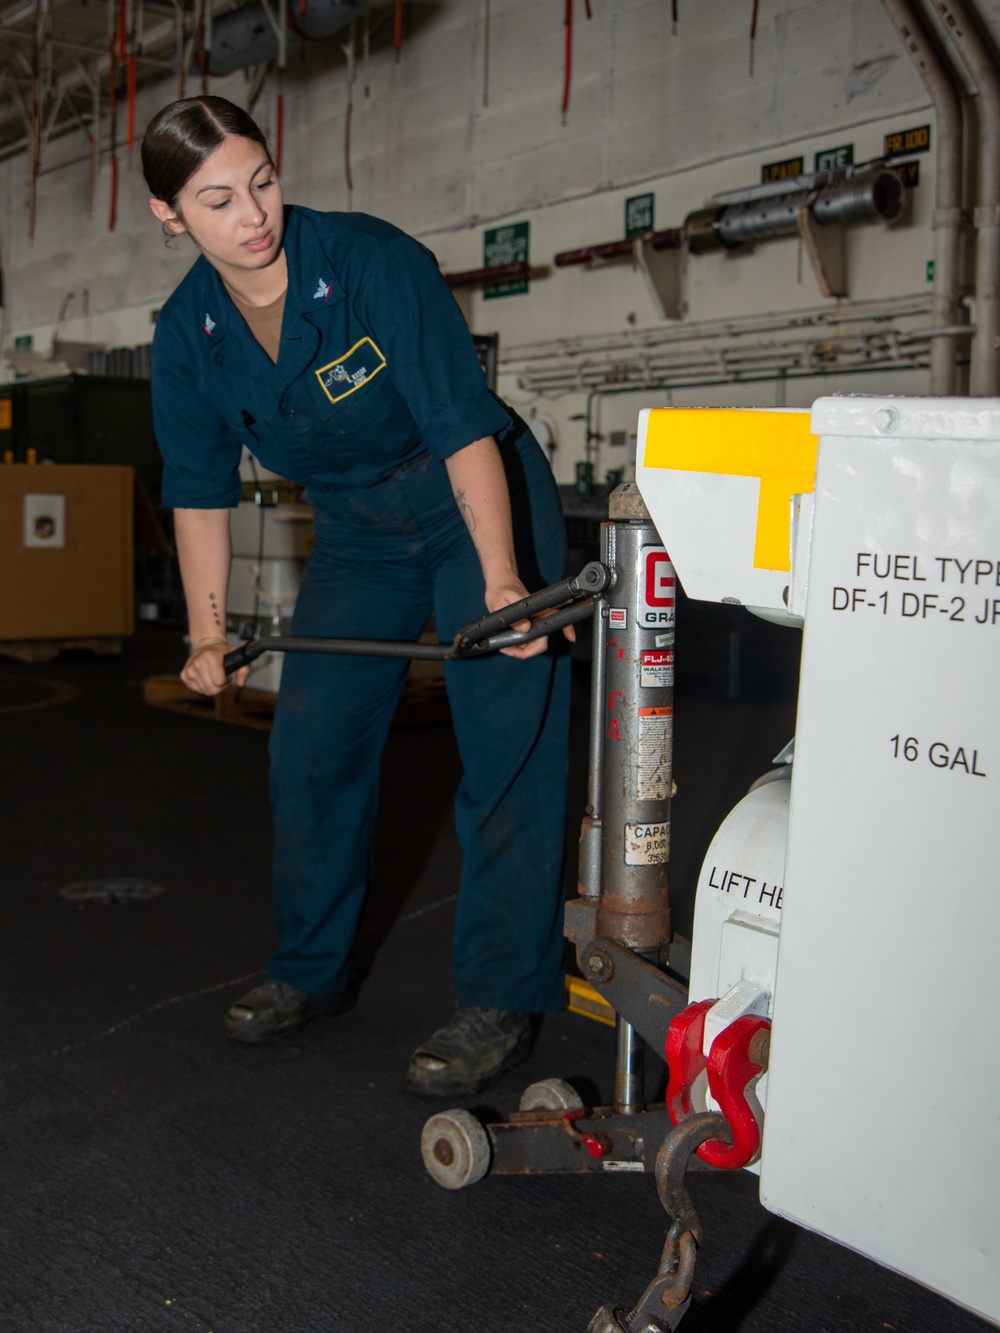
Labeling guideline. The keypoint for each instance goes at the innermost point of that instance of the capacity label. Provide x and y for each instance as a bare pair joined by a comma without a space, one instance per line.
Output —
943,755
647,844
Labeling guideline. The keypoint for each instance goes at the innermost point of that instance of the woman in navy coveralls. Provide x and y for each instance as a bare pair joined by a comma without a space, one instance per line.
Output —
430,497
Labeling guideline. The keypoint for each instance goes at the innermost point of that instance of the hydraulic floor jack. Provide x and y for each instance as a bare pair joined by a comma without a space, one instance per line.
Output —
620,923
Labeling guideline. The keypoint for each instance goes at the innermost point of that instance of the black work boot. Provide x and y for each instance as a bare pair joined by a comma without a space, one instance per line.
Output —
474,1049
274,1009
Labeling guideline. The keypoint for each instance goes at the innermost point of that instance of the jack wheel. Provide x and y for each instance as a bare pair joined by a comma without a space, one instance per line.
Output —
550,1094
456,1149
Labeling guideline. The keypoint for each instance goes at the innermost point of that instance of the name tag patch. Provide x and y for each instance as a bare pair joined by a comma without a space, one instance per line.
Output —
351,371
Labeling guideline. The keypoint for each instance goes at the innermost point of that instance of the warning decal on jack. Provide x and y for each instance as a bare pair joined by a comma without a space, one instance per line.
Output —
656,727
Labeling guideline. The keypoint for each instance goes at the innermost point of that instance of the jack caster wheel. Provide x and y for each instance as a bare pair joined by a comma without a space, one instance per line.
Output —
456,1149
550,1094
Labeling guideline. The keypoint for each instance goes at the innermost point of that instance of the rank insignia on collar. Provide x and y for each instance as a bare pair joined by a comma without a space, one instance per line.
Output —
323,290
208,325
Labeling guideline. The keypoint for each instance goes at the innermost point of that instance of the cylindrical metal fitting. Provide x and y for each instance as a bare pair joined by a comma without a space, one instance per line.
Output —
868,196
637,729
629,1068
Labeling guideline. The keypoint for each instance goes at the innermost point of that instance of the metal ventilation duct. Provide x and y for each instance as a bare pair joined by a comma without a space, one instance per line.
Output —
867,196
248,36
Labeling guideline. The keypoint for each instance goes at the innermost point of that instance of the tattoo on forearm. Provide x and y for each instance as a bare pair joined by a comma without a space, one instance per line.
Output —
215,609
465,509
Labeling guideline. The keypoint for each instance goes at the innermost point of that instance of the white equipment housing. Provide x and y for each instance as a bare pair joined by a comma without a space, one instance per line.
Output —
875,522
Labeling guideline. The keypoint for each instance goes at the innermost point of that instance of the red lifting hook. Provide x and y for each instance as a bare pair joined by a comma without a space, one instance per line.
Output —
598,1145
738,1056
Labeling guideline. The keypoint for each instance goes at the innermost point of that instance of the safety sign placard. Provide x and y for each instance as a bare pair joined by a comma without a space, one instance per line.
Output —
658,589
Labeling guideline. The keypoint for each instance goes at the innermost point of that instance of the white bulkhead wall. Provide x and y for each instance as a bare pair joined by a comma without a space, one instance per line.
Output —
678,115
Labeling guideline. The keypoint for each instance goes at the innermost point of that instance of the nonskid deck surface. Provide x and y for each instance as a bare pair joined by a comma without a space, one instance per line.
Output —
159,1177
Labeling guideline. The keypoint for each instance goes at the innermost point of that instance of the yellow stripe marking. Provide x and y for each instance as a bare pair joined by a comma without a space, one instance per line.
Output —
777,448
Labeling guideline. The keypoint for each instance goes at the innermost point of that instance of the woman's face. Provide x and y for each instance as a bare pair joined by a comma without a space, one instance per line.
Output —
231,208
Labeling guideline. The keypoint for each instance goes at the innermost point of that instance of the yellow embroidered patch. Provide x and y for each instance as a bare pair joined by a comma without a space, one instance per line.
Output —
352,371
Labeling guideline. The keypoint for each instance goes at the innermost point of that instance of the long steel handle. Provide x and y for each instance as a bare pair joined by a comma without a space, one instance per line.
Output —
574,598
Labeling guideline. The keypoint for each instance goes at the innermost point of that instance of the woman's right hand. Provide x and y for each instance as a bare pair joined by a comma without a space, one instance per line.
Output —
204,673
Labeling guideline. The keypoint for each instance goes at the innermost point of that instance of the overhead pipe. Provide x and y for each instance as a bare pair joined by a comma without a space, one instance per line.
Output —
978,61
247,36
947,218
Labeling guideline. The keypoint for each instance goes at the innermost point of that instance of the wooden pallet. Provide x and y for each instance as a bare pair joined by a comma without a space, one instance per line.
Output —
44,650
423,701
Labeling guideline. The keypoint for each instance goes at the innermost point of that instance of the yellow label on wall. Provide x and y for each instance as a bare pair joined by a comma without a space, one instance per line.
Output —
6,414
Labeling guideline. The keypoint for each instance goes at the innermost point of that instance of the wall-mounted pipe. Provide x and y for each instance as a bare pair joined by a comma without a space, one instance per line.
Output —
978,60
247,36
874,195
947,218
670,239
488,277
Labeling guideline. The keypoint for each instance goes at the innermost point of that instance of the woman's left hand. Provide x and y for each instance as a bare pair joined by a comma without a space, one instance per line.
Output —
513,590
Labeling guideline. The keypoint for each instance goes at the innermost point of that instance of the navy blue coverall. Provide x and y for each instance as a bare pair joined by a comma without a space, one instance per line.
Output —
377,383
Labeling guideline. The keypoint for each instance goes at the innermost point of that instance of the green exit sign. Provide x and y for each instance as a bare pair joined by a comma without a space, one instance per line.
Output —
506,245
638,215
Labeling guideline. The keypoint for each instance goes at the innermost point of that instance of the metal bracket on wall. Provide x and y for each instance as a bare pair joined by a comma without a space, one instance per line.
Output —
661,270
827,250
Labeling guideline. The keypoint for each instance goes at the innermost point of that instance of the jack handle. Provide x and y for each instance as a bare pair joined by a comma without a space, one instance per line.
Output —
573,599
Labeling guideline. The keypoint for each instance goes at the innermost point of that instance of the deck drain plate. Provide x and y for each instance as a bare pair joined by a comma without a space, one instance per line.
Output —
110,890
